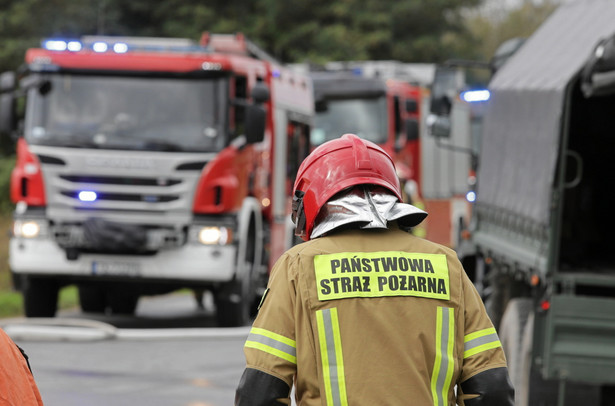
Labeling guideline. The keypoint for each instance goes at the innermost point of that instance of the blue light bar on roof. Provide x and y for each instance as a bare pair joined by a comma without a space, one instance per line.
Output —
475,96
62,45
74,46
120,48
121,45
100,47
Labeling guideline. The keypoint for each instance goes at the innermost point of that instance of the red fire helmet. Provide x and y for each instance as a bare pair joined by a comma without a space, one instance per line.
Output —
334,166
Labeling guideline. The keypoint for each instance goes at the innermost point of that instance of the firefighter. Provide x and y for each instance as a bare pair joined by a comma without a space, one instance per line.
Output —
17,385
365,313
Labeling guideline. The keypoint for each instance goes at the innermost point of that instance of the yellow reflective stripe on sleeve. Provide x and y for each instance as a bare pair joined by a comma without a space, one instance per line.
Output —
272,343
379,274
442,374
330,343
480,341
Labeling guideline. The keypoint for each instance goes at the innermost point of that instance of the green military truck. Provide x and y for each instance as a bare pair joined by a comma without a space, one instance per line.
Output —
543,224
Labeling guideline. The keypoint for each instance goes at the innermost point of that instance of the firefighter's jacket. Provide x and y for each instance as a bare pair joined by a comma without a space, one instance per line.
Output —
372,317
17,386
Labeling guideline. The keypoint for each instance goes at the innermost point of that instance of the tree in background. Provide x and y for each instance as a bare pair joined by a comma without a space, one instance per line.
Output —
293,31
495,22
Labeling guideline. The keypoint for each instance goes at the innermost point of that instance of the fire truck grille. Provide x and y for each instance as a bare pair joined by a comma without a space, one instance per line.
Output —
116,180
127,197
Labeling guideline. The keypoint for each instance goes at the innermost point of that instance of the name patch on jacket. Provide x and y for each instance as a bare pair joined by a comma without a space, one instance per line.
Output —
377,274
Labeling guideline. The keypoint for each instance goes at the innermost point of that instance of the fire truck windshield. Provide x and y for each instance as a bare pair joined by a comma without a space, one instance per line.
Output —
131,113
366,118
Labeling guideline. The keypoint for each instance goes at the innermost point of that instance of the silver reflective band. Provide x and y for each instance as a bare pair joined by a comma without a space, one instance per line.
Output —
272,343
442,375
480,341
331,355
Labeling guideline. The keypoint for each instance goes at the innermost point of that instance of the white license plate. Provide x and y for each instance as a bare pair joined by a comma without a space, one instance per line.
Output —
116,268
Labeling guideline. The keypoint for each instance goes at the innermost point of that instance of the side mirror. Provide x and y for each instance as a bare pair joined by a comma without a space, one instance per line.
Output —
440,106
260,93
255,124
321,106
439,126
412,129
7,103
7,82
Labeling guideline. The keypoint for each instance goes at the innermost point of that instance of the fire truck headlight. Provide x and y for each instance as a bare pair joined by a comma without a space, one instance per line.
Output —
214,235
28,228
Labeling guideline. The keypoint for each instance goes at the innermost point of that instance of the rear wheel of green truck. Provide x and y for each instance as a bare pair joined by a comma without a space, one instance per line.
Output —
512,329
522,391
40,297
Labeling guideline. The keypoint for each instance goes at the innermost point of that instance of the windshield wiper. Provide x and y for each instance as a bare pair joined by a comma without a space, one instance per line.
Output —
77,140
157,145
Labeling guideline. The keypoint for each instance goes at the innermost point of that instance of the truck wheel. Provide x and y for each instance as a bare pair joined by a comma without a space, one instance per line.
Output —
122,301
234,301
522,391
92,299
512,326
40,297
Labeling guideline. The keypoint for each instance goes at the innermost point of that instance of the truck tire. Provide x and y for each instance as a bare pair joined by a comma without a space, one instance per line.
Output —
235,299
92,299
40,297
522,391
512,327
533,389
122,301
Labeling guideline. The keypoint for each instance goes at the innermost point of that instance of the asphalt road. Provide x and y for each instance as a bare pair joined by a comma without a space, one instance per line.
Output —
171,354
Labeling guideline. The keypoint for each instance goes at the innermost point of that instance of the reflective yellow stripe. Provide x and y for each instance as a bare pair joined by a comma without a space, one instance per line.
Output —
477,334
444,363
384,273
274,336
330,343
272,343
480,341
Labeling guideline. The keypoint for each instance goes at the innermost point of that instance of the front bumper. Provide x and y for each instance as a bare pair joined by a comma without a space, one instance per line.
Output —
194,262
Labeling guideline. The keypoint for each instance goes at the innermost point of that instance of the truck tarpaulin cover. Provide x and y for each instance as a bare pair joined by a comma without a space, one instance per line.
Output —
523,122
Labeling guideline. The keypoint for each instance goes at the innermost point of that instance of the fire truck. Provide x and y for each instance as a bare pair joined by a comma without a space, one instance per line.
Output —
147,165
384,112
383,101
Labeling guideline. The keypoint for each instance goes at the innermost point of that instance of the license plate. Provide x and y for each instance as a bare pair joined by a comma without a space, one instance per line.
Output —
116,268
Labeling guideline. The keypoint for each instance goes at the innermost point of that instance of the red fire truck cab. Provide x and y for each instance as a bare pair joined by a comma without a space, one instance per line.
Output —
386,112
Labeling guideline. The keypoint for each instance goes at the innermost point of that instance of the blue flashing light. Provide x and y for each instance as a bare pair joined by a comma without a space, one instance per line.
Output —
62,45
475,96
471,196
120,47
276,73
74,46
87,196
100,47
55,45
